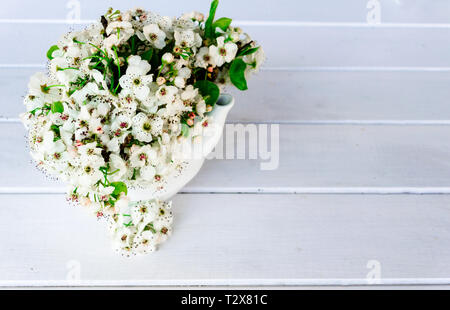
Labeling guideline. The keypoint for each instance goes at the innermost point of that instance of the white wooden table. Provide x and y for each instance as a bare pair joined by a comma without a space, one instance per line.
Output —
362,189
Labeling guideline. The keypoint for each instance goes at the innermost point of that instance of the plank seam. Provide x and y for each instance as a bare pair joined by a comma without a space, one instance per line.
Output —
231,282
258,23
297,68
263,190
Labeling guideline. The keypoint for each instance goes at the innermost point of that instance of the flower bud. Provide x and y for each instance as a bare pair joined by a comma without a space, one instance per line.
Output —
160,80
168,58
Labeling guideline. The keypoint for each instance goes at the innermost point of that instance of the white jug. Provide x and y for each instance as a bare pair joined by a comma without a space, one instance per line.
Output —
175,183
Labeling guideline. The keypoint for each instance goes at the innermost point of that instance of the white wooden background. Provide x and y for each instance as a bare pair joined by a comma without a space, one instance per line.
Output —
364,169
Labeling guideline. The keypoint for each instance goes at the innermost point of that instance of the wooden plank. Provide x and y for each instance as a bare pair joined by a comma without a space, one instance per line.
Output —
235,239
319,10
327,157
308,47
285,96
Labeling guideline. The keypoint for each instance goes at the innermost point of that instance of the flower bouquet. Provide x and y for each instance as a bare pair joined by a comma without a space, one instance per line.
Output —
120,98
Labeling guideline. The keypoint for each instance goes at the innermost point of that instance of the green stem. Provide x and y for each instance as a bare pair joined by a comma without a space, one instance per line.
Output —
64,69
163,65
118,67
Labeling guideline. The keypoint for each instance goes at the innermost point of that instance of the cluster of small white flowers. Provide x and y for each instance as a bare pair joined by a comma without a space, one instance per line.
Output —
139,227
122,94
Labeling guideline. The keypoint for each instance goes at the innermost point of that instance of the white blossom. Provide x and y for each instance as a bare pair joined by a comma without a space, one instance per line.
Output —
223,52
155,36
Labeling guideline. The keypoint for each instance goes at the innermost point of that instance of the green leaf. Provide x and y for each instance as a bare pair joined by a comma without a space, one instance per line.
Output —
51,51
247,51
57,107
222,23
33,112
184,130
209,91
209,30
237,74
150,227
57,131
147,55
119,188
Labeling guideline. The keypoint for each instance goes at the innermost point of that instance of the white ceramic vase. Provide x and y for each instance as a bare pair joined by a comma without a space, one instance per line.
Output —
193,165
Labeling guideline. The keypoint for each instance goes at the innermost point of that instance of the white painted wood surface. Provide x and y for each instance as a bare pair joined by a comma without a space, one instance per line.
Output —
246,240
364,112
395,11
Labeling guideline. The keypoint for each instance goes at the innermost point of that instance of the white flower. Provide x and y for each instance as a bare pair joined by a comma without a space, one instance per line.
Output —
145,242
180,82
122,241
148,173
194,15
32,102
137,66
113,145
88,150
119,165
89,90
65,72
50,146
95,125
167,93
185,73
136,85
90,173
155,36
185,38
201,108
223,52
168,58
176,107
255,60
122,30
142,128
143,212
204,58
41,85
104,191
189,93
122,122
142,156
